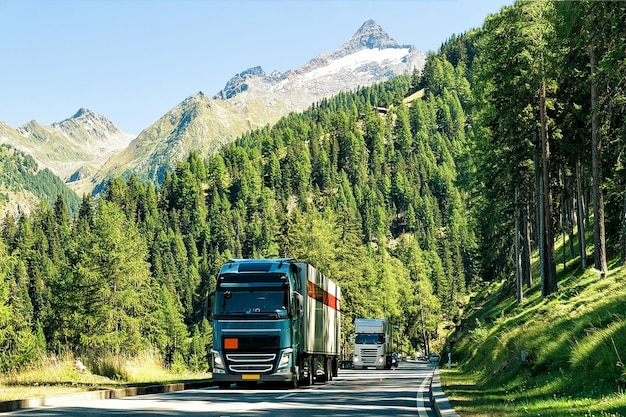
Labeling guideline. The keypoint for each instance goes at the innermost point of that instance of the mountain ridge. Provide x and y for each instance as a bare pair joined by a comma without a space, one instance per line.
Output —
87,149
252,99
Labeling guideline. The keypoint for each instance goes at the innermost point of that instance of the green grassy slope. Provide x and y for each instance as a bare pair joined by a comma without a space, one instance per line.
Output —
575,343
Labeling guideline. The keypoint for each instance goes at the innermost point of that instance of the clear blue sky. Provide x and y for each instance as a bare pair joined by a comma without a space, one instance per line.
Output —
133,60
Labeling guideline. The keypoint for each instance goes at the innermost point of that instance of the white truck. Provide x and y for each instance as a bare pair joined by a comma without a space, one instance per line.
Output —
372,344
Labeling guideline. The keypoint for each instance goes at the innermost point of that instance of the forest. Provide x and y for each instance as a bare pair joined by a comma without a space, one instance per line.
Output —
512,136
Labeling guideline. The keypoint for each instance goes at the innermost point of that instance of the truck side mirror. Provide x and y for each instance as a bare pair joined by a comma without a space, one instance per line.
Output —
298,305
208,305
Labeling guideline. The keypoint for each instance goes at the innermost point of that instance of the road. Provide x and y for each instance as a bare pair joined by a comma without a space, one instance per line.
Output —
399,392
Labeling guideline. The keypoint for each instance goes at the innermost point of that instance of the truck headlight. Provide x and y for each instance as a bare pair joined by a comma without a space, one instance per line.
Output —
356,359
381,359
218,363
285,358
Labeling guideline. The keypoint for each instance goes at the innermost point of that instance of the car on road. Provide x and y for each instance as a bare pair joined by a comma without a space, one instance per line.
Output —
433,357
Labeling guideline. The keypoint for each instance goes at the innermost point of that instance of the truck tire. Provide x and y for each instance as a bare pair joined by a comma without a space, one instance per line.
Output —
329,369
295,383
307,380
328,373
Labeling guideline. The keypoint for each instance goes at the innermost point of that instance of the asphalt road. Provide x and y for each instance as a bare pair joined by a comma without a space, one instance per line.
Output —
399,392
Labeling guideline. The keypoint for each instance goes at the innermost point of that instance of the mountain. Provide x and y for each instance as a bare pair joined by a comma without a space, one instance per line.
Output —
87,149
253,99
198,123
369,57
74,149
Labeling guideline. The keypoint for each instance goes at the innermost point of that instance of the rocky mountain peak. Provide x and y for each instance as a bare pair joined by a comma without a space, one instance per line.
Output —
238,84
369,36
82,112
89,120
369,56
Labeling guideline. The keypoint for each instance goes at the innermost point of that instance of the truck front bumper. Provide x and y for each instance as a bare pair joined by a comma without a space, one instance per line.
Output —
253,378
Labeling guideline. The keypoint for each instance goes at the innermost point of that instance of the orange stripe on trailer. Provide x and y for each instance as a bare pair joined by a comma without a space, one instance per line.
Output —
310,289
333,302
319,294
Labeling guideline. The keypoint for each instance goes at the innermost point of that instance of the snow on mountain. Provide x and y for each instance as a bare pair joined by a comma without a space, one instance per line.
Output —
370,56
357,60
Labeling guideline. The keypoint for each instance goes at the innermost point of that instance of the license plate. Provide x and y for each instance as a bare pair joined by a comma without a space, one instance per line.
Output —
251,377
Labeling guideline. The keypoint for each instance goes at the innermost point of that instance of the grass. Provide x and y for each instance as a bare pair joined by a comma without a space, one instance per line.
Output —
575,342
58,375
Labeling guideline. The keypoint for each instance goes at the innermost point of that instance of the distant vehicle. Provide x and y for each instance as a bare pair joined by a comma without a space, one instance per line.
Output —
372,344
433,357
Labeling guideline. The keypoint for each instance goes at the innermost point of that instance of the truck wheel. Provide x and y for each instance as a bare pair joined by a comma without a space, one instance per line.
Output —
328,370
308,364
295,383
326,376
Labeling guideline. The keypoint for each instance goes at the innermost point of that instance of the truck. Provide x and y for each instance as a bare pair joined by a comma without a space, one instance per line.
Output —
372,344
274,321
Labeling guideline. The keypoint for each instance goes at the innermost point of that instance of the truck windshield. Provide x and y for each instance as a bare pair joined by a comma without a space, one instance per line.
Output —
370,339
251,301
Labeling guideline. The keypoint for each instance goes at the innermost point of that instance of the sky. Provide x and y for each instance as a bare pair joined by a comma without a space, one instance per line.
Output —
134,60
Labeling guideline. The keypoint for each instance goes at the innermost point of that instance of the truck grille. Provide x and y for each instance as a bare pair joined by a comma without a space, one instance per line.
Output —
240,369
369,355
244,363
254,354
234,357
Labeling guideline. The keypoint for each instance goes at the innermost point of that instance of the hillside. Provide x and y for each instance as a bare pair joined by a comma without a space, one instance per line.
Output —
574,343
199,123
73,149
23,185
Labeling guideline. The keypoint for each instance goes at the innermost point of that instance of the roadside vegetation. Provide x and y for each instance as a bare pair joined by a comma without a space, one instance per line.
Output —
574,345
63,375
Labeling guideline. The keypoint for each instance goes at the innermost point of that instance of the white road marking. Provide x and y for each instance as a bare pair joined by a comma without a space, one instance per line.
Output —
282,397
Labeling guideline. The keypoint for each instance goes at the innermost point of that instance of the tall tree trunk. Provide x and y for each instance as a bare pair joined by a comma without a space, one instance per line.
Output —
580,207
550,283
568,207
571,218
563,220
587,193
596,167
424,333
539,214
518,250
623,257
527,277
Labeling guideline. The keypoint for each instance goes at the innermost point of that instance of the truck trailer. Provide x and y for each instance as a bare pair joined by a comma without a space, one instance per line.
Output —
274,320
372,344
